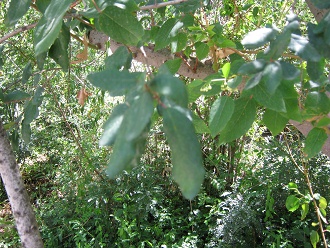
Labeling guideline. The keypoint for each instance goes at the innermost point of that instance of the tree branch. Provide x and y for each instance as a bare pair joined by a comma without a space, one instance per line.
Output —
159,5
17,31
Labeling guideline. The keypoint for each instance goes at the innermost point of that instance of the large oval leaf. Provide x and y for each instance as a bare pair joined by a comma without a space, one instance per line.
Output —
16,10
259,37
314,142
187,160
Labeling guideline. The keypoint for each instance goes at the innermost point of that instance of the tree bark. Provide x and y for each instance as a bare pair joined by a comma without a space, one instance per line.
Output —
26,223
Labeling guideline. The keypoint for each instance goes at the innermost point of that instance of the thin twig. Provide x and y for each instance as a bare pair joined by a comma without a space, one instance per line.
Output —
159,5
17,31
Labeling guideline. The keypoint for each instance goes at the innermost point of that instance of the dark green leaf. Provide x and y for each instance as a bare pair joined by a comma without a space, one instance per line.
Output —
253,81
199,124
293,111
221,112
50,25
116,82
112,125
120,58
314,142
120,25
258,38
26,132
202,50
252,67
16,10
274,121
194,89
179,42
292,203
30,112
233,83
315,69
59,50
173,65
317,103
240,121
290,72
27,72
279,45
42,5
16,96
170,87
186,154
272,76
321,4
303,48
166,33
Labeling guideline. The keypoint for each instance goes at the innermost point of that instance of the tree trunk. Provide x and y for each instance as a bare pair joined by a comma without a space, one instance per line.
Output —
19,200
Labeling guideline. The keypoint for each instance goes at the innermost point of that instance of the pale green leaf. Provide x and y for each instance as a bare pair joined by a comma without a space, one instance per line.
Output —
315,238
292,203
186,154
304,210
226,70
323,202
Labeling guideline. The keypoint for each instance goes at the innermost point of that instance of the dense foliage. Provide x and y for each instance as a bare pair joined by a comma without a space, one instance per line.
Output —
240,172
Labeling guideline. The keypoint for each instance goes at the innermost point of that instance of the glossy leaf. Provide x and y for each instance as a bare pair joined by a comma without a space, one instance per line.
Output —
315,238
292,203
293,186
16,10
323,202
59,50
112,125
50,25
240,121
274,121
166,33
116,82
221,112
226,70
186,154
120,25
303,48
314,142
272,76
258,38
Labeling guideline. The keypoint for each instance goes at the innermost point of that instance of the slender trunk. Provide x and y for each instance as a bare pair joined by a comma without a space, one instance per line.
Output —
19,200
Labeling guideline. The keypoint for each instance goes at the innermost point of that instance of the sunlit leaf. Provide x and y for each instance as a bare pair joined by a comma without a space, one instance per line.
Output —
258,37
315,238
304,210
303,48
252,67
292,203
323,202
186,154
272,76
314,142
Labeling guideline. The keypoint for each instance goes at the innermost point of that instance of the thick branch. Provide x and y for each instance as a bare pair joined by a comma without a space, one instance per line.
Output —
18,197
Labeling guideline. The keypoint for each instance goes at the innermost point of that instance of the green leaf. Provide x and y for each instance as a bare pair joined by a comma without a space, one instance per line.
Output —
116,82
173,65
272,76
27,72
323,202
16,96
316,103
315,238
166,33
194,89
42,5
274,121
59,50
252,67
321,4
221,112
292,203
253,81
112,125
315,69
138,115
120,58
304,210
16,10
199,124
314,142
273,101
240,121
226,70
50,25
279,45
166,85
233,83
179,42
186,154
120,25
202,50
26,132
293,186
303,48
258,37
293,111
290,72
